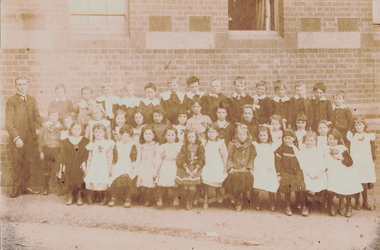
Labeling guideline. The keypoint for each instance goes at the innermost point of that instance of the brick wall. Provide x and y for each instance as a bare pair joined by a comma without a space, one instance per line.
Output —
39,42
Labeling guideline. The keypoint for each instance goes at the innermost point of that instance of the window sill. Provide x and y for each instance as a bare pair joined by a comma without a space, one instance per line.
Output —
253,34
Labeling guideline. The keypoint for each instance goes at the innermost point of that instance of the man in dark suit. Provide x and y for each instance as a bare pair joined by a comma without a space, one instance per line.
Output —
21,119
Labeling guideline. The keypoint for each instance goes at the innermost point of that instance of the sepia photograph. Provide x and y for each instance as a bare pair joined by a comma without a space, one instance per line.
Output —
190,124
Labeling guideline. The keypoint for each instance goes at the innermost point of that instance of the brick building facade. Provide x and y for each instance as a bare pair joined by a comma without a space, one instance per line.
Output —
80,43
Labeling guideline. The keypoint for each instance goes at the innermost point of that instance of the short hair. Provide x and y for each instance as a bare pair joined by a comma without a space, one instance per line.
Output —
86,88
183,112
213,126
361,120
60,86
309,134
263,128
278,84
191,80
188,131
247,106
320,86
239,79
279,119
215,80
172,79
301,117
97,107
327,123
172,129
241,127
222,106
106,84
21,78
137,111
195,100
262,83
159,110
74,123
299,84
337,135
145,128
128,84
126,129
340,93
150,85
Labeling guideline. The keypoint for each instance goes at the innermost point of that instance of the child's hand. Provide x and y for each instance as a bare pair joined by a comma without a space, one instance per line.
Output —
188,171
279,178
251,171
83,167
42,156
194,172
19,143
232,170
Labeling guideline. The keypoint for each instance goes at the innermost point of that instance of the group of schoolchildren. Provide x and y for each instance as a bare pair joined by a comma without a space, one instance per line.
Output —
206,147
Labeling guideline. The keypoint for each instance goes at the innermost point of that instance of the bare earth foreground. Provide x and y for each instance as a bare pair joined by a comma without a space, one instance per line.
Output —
37,222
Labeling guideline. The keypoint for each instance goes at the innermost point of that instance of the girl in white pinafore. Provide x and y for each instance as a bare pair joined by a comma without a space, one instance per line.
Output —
214,172
264,172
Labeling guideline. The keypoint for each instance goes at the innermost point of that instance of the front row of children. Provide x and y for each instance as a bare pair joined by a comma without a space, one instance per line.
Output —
243,166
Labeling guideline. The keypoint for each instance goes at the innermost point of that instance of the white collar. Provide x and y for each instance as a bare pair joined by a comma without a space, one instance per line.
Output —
298,97
62,99
322,98
260,97
236,94
154,102
222,125
49,124
191,94
23,95
283,99
84,104
341,107
104,98
166,95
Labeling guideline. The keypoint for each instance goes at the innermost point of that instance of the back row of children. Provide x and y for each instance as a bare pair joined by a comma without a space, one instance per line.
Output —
224,141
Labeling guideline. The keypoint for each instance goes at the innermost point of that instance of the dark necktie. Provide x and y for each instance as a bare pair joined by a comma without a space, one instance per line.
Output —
174,98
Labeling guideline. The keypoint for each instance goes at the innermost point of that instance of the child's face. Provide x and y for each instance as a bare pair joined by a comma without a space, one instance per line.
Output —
331,140
247,115
129,92
97,115
150,93
301,125
76,130
86,94
275,125
182,119
173,86
120,120
338,100
221,114
148,135
60,93
260,90
53,117
99,134
67,122
194,87
263,136
216,87
301,91
107,90
196,108
323,129
212,134
289,140
125,138
242,135
139,118
318,94
191,137
359,127
239,87
280,91
170,136
157,117
310,142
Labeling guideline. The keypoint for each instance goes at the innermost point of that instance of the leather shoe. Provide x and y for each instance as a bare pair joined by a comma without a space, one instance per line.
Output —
14,193
29,190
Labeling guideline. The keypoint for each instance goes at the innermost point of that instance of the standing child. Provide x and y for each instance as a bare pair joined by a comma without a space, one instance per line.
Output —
167,168
173,100
99,164
159,124
97,117
248,119
241,154
323,130
74,156
149,160
276,130
238,99
50,146
264,172
299,104
342,179
61,103
108,101
118,122
343,121
125,155
129,102
150,102
281,102
301,127
183,116
227,129
289,171
197,121
214,172
85,106
194,93
211,102
320,107
263,105
363,154
137,124
67,121
190,162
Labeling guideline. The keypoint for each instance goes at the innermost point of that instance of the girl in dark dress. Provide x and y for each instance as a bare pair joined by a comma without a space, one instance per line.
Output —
73,159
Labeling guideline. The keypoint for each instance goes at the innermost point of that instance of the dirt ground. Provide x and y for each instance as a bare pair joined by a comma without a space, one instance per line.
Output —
39,222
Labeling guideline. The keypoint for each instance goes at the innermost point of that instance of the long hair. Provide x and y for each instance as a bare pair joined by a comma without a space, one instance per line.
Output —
337,135
291,133
266,129
188,131
145,128
75,122
171,128
99,126
358,121
137,111
214,127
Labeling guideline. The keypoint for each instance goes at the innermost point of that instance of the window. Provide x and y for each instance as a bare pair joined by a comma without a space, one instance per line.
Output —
259,15
376,12
99,16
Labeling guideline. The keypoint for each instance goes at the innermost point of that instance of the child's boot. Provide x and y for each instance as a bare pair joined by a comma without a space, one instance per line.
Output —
104,200
176,197
46,184
159,200
219,197
358,206
256,200
111,203
89,197
305,211
348,207
205,202
79,200
69,199
366,206
272,201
